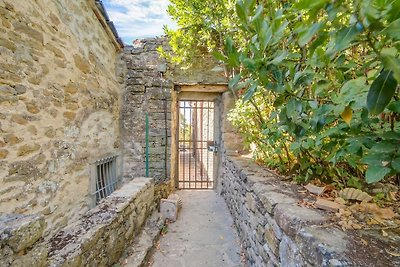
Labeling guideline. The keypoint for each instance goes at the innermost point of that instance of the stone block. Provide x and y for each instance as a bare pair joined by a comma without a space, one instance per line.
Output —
20,231
292,218
271,199
289,253
271,240
36,257
169,208
323,246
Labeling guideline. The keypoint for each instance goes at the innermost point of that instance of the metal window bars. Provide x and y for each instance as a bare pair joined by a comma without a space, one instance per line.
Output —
106,177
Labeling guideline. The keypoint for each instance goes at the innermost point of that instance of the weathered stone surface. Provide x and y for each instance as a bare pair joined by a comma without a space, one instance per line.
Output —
324,245
292,218
58,68
271,199
20,231
36,257
8,44
32,108
82,64
3,153
69,115
29,31
19,119
169,209
20,89
97,238
289,253
292,235
27,149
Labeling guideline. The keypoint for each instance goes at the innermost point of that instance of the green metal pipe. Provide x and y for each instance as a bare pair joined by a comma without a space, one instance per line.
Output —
147,144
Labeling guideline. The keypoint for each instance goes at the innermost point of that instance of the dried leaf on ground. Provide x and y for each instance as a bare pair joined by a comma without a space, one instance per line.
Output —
375,210
354,194
305,203
340,200
328,205
393,196
317,190
393,253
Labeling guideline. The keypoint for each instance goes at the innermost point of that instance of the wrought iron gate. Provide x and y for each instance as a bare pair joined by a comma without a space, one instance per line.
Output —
196,144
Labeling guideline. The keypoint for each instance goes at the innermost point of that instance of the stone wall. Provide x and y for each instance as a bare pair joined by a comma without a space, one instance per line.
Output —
276,231
146,91
59,106
20,237
98,238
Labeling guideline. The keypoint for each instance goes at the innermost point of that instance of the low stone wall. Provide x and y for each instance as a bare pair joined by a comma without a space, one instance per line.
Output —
19,240
98,238
276,231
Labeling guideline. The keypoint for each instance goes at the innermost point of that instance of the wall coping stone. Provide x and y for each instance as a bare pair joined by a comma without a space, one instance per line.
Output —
77,238
20,231
309,235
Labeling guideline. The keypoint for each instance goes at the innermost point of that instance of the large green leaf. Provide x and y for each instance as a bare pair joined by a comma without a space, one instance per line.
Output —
345,37
279,57
250,92
381,92
396,164
233,82
306,35
376,173
394,106
241,11
376,159
393,30
384,147
392,63
219,56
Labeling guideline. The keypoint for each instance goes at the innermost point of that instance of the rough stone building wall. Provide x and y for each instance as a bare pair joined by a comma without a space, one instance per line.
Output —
146,91
59,106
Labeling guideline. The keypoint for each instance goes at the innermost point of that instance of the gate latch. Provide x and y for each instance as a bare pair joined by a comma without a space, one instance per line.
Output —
212,146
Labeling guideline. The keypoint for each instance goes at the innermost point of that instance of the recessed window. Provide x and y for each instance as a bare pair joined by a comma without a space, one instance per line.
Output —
105,172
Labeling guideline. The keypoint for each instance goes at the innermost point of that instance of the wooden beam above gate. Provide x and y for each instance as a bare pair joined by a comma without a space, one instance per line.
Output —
205,88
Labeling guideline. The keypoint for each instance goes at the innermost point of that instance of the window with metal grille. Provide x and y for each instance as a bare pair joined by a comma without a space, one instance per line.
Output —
106,180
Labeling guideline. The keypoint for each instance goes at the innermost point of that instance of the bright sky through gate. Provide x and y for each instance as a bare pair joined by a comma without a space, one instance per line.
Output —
135,19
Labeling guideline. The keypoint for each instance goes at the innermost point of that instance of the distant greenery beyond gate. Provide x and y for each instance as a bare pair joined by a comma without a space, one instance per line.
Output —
316,80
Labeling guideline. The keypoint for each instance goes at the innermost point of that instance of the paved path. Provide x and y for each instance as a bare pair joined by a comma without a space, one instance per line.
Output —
203,235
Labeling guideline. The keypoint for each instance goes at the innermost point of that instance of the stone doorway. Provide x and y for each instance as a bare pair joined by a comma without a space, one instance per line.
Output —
197,144
196,132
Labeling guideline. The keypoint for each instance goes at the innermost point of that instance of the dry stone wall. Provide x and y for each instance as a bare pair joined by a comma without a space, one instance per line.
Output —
146,91
276,231
59,106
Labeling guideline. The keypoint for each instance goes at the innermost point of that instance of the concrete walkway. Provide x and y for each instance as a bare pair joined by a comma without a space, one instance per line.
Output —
203,235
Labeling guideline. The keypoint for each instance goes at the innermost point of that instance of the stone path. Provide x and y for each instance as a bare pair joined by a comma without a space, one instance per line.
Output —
203,235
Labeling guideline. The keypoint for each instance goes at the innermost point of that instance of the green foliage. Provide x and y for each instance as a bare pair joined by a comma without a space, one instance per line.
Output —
203,25
317,83
327,69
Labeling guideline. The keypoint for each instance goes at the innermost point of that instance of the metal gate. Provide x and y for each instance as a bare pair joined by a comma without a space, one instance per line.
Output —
196,144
